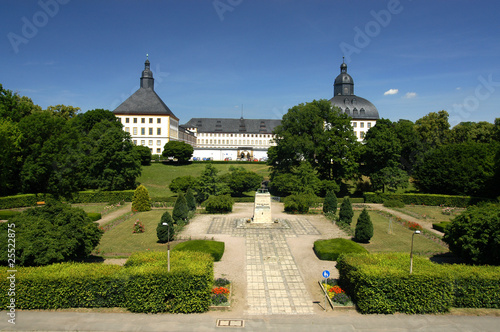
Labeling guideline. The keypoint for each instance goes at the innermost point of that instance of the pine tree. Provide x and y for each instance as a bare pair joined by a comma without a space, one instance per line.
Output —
180,212
330,203
191,201
364,228
346,213
141,201
163,232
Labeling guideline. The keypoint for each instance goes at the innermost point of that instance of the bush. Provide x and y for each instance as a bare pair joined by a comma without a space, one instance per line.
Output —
394,203
10,202
165,233
441,226
214,248
330,250
299,203
475,234
92,196
94,216
219,204
346,213
50,234
425,199
190,200
180,212
141,201
364,228
144,154
330,203
182,183
6,215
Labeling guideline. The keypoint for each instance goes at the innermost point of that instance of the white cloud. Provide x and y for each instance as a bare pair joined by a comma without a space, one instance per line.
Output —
459,88
391,92
409,95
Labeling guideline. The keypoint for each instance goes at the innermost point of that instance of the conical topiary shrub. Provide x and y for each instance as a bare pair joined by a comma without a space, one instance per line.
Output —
346,213
141,201
180,212
364,228
163,232
191,201
330,203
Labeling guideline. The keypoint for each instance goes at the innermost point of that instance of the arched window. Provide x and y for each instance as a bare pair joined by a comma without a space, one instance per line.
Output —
362,111
355,111
347,111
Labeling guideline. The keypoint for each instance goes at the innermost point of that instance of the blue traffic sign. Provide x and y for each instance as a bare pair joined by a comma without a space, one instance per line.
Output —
326,274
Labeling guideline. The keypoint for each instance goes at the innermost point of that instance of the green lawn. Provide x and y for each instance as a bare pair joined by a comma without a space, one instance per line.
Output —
430,213
157,177
399,240
121,241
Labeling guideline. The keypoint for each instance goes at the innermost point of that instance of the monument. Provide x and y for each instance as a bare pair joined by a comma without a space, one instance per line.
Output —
262,209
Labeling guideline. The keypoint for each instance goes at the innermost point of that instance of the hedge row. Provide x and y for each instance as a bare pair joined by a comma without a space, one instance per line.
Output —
425,199
381,283
10,202
142,286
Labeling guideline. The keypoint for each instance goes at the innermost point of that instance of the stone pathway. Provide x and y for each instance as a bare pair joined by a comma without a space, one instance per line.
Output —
274,283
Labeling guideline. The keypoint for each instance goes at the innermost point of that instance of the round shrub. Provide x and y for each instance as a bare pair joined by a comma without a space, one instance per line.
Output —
214,248
141,201
364,228
330,203
163,232
475,234
330,250
299,203
394,203
219,204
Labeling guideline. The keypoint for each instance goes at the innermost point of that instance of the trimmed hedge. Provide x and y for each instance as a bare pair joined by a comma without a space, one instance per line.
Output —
213,248
144,285
330,250
394,203
94,216
381,283
6,215
9,202
440,226
425,199
219,204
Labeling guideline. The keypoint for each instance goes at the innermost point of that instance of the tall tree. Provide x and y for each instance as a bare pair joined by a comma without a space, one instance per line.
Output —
466,132
433,129
86,121
208,183
10,157
411,146
15,107
178,150
319,134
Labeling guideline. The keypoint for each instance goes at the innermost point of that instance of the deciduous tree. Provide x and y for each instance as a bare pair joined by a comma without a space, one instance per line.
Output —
178,150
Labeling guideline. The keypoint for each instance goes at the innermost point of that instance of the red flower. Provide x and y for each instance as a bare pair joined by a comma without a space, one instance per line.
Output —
220,290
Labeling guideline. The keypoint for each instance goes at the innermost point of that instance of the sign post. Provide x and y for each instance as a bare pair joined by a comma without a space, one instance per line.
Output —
326,274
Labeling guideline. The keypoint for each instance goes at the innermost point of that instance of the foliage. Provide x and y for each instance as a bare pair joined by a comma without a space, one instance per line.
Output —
165,233
330,250
299,203
330,203
138,227
458,169
143,285
94,216
301,179
11,157
144,154
240,180
213,248
53,233
180,212
346,213
480,132
441,226
319,134
433,130
411,146
190,200
364,228
86,121
219,204
475,234
380,283
390,177
178,150
208,183
14,107
141,201
182,183
390,203
424,199
218,299
220,282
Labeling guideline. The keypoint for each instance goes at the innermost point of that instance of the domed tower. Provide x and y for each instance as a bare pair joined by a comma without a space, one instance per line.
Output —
147,80
363,113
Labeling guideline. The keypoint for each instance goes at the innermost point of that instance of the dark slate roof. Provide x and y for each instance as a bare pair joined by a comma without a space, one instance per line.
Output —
250,126
144,101
356,107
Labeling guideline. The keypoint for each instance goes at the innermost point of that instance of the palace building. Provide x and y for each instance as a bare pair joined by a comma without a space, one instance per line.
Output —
151,123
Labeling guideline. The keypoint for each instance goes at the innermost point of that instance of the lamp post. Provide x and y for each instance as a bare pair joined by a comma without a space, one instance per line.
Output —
168,246
411,251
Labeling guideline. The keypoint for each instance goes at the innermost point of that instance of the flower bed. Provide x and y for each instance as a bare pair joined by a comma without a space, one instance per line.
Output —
221,293
337,297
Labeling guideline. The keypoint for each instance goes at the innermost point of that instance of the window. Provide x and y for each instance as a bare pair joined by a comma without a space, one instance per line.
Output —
135,131
158,120
135,120
150,142
354,124
143,131
361,124
150,131
127,129
150,120
158,131
362,134
143,120
143,142
158,150
127,120
135,142
369,124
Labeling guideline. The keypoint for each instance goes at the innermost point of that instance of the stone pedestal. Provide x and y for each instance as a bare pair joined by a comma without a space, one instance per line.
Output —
262,209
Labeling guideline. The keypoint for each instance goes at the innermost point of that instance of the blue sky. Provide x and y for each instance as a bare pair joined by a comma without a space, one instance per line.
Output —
210,58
